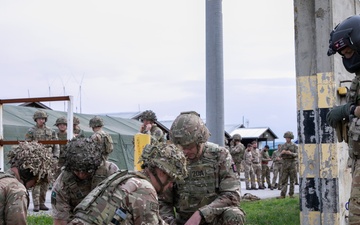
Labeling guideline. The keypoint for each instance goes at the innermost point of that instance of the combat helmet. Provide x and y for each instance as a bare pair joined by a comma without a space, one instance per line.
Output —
96,122
40,114
289,134
32,160
148,115
60,120
236,137
188,128
82,154
76,120
167,157
347,34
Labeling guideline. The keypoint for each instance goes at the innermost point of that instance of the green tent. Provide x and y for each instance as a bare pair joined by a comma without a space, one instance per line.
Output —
18,119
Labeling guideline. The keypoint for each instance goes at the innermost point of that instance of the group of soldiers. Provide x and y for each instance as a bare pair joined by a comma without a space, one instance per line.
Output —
186,180
256,164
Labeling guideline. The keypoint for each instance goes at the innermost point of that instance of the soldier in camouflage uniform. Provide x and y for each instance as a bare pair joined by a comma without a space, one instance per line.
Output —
237,152
61,124
84,169
277,165
78,132
211,192
265,159
40,132
99,135
345,40
249,171
30,163
149,127
132,197
256,164
289,153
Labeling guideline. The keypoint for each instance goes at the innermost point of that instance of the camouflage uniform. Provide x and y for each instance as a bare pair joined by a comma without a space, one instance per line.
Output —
157,135
100,136
14,200
237,153
129,197
249,171
289,166
105,141
84,155
257,166
44,133
265,158
277,165
212,188
215,200
77,131
68,190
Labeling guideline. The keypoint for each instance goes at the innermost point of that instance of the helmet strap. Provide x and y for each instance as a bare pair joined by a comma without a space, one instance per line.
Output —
162,185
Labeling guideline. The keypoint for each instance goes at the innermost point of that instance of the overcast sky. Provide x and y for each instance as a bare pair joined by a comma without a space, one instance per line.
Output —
127,56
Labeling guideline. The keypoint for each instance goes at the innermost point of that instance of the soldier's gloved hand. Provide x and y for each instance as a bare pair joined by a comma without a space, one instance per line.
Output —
337,114
357,111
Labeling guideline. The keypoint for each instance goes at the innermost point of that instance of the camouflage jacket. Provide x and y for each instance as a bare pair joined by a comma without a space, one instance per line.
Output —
248,157
292,148
68,190
157,135
14,200
125,198
256,155
265,157
45,134
106,142
237,153
211,187
62,136
276,157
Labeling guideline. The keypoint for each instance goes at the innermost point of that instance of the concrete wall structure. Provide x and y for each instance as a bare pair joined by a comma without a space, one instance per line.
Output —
325,178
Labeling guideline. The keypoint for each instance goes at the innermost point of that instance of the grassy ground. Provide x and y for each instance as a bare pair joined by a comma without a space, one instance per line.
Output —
272,211
263,212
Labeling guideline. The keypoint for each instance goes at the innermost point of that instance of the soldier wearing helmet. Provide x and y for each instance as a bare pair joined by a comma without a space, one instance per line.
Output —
84,169
345,40
61,124
289,154
149,126
125,204
211,192
99,135
78,132
40,132
237,151
30,163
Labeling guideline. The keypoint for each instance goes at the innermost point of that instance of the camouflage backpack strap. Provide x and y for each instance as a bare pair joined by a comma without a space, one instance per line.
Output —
101,206
212,155
3,175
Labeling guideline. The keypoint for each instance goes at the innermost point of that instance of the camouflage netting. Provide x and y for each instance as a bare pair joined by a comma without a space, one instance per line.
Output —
83,154
166,157
33,156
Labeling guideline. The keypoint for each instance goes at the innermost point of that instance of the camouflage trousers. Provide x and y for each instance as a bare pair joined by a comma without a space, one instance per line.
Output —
39,193
249,176
354,205
257,172
276,173
288,172
265,175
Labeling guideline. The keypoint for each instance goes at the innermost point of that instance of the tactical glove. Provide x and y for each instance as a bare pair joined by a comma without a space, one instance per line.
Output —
357,111
338,113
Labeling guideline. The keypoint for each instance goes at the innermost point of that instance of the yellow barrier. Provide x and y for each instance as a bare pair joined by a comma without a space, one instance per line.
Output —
140,140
